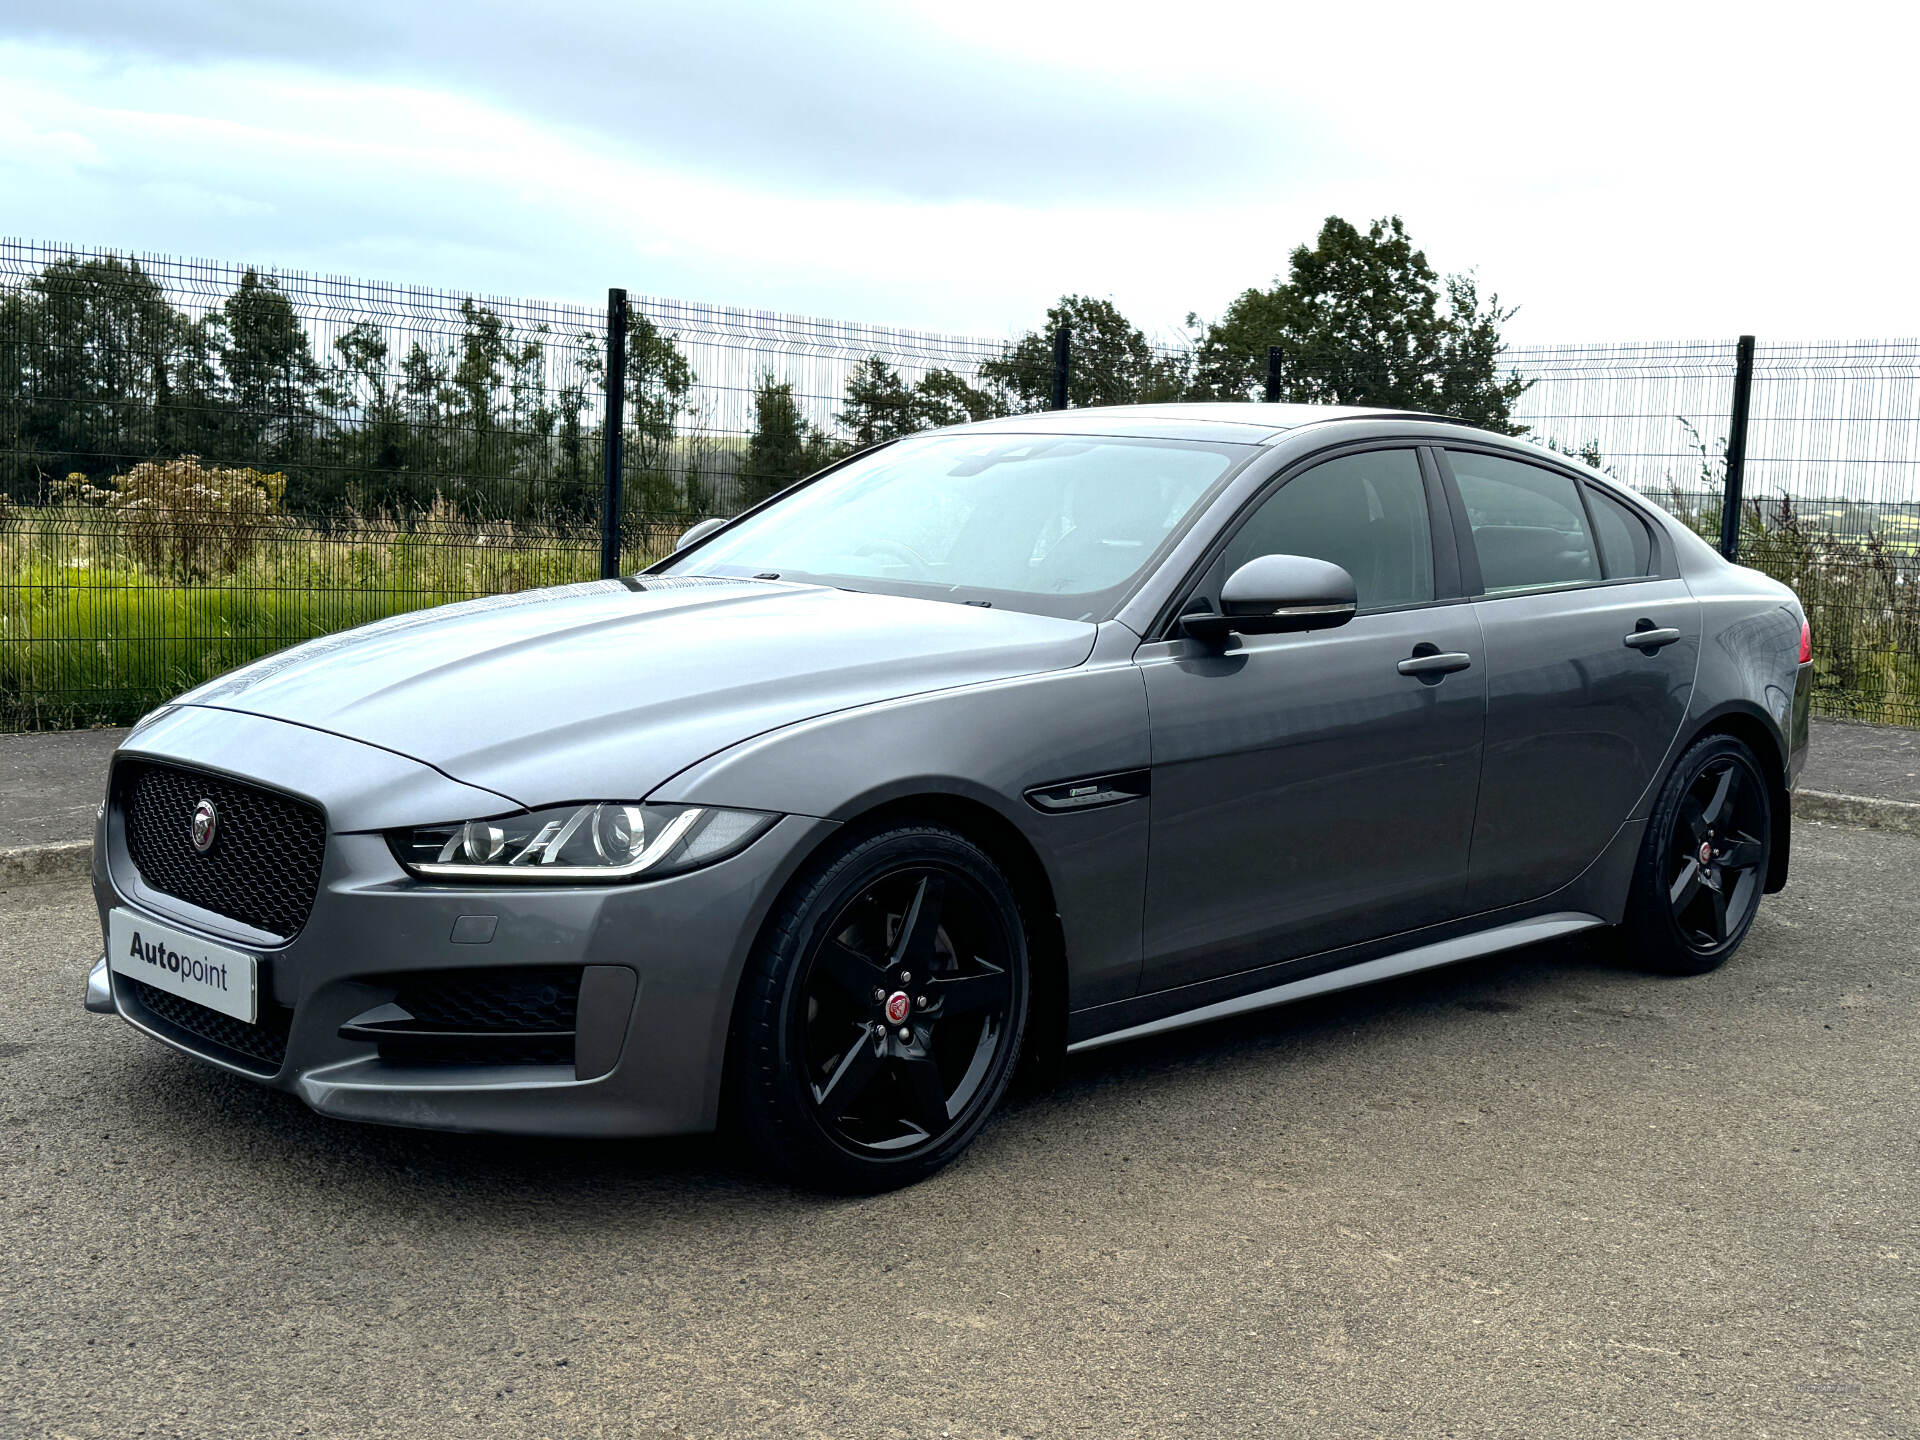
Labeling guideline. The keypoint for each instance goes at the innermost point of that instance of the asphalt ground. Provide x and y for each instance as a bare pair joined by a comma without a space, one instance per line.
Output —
1536,1195
1849,757
50,782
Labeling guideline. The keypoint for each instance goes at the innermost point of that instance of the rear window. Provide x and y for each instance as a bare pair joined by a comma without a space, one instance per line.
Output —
1626,545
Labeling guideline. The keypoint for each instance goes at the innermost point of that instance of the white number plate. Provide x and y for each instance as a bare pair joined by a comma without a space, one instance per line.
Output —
184,965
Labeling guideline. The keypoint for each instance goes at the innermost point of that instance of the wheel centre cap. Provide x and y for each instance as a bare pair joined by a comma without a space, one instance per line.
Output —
1706,853
898,1006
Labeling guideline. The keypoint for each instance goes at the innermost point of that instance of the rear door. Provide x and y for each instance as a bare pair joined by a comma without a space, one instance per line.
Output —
1591,641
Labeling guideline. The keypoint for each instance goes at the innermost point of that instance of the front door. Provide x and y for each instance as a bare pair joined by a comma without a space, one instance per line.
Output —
1307,793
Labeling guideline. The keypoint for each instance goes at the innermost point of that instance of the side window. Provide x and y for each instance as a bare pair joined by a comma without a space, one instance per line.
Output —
1626,546
1529,529
1367,513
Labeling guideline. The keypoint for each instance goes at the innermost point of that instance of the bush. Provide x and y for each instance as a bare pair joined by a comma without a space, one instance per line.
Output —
180,518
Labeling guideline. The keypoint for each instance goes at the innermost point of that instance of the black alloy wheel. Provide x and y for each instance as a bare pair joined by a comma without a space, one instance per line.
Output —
885,1013
1715,853
1703,864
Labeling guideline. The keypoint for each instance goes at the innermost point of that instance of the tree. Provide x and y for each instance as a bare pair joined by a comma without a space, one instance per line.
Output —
89,351
879,406
784,446
1111,362
659,390
943,398
381,449
269,365
578,447
1359,321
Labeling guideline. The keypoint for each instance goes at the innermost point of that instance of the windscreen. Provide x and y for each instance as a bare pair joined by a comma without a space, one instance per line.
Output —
1057,525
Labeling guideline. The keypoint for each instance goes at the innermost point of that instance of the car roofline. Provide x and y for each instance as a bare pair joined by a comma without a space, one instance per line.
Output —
1195,420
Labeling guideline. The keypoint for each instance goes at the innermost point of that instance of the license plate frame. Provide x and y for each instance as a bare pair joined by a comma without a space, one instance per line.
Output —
181,963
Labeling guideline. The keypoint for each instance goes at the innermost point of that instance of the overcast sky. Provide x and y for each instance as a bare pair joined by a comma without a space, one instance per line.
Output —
1627,171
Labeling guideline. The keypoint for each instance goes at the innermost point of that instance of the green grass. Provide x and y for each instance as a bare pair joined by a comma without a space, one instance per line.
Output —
89,636
1860,588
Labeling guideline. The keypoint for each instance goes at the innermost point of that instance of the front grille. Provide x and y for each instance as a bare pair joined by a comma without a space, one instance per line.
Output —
264,867
263,1044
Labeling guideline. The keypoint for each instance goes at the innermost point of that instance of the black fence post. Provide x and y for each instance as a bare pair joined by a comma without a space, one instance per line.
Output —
1737,449
614,432
1273,374
1062,361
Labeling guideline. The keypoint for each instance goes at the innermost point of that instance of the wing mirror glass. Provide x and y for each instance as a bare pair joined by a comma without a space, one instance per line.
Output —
1277,595
695,533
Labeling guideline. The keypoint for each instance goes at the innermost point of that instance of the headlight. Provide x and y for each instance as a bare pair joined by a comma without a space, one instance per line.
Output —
609,840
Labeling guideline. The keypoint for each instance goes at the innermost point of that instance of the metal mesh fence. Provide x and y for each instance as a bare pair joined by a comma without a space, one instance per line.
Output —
201,463
1831,490
1655,416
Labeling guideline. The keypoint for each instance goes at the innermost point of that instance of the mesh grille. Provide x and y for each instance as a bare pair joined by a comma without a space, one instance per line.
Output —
265,1043
264,867
503,1000
509,1017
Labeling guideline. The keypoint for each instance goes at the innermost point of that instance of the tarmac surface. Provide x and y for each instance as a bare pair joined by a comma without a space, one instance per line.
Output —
1538,1195
50,783
1847,757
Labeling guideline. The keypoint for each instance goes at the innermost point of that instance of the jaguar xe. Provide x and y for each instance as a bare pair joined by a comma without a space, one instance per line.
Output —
988,744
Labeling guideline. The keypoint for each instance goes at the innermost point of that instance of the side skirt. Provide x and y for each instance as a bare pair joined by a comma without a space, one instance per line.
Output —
1423,957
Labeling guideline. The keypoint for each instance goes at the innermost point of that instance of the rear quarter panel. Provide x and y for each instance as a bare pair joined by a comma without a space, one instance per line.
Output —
1750,656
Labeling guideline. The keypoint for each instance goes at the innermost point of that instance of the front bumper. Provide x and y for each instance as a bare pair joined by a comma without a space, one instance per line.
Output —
664,961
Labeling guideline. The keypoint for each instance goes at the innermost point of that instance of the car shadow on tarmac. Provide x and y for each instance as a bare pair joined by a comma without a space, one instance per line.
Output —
224,1121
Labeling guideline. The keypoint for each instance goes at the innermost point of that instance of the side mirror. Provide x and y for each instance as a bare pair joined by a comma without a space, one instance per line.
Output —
1277,595
698,532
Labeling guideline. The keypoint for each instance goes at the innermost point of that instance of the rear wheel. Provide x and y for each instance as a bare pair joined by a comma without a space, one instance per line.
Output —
1703,862
884,1011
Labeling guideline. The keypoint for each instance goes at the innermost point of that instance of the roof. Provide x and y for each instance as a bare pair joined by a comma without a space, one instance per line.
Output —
1242,421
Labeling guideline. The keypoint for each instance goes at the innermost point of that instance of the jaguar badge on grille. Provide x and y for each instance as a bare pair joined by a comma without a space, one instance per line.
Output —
206,823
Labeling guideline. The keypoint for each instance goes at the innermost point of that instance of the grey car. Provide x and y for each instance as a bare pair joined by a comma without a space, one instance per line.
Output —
989,744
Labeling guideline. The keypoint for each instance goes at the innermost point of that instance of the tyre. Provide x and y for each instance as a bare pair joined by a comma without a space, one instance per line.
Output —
883,1011
1703,861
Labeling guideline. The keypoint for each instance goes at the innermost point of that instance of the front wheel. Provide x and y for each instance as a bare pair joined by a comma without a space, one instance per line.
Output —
1703,861
883,1011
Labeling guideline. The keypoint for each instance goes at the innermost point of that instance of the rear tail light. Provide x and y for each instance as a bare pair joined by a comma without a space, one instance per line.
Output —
1806,642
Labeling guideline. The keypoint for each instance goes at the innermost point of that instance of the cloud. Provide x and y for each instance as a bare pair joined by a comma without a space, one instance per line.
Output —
1646,173
313,171
862,97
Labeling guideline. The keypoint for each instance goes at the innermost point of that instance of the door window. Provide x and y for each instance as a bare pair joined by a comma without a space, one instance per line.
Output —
1626,547
1366,513
1529,528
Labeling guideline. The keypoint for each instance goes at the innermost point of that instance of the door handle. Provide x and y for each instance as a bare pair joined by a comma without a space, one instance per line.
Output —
1649,637
1434,663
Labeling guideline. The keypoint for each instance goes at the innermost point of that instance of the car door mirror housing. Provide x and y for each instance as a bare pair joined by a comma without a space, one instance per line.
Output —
695,533
1277,595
